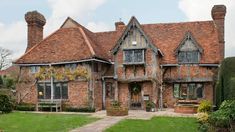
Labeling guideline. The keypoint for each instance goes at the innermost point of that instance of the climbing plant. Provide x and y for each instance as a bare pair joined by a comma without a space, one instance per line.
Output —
59,73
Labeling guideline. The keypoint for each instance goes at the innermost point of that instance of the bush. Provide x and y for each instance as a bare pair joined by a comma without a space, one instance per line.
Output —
25,107
225,87
203,127
115,104
202,117
223,116
6,105
84,109
205,106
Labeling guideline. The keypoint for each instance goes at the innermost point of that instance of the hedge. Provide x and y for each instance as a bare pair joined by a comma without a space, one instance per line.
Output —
225,88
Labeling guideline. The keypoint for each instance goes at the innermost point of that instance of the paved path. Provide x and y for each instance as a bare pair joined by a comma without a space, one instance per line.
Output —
99,125
108,121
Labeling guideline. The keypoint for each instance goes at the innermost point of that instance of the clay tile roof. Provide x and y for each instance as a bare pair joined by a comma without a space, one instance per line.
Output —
78,43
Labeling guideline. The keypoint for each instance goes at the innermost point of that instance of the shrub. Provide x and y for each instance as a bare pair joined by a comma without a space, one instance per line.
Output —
6,105
205,106
25,107
83,109
223,116
116,104
202,117
204,127
225,87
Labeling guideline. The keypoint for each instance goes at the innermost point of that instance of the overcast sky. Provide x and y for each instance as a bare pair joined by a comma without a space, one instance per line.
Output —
100,15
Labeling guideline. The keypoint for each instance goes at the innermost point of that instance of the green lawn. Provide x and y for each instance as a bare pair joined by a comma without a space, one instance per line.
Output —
29,122
156,124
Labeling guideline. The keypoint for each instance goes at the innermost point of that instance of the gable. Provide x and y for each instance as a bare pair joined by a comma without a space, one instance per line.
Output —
69,23
188,44
134,37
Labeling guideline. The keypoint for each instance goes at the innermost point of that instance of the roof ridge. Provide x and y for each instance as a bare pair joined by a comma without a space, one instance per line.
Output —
87,41
27,52
166,23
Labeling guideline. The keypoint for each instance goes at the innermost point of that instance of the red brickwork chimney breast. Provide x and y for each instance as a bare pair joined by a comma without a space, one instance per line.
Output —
35,22
218,13
119,25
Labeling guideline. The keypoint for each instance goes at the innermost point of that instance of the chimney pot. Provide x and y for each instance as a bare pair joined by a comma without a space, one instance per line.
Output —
218,12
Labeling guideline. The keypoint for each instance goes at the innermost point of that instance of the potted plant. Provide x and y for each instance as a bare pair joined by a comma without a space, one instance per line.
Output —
150,106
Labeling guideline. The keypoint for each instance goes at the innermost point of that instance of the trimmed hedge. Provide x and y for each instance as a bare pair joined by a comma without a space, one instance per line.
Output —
83,109
6,106
26,107
225,89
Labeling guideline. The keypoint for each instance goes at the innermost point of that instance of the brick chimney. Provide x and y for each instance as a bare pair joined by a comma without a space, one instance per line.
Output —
35,22
218,14
119,25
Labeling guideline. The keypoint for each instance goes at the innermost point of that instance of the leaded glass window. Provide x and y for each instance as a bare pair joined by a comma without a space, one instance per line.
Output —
134,56
188,90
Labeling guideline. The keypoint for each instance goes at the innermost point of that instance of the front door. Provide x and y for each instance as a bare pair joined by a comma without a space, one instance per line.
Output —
135,96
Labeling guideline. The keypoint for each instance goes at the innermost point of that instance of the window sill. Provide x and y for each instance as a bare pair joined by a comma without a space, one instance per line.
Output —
134,63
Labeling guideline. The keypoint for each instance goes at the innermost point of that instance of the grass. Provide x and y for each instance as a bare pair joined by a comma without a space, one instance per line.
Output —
156,124
30,122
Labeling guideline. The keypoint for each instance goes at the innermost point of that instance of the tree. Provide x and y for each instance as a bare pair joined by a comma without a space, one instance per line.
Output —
5,58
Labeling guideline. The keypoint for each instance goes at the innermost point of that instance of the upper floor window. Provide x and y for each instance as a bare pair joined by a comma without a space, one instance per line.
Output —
34,69
134,56
188,57
189,50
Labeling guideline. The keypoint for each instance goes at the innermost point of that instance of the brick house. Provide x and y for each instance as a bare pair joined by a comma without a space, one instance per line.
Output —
159,62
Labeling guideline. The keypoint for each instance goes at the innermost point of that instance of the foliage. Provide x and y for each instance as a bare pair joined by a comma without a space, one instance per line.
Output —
32,122
116,104
61,73
6,105
156,124
1,81
225,88
202,117
204,127
205,106
135,88
83,109
150,104
25,107
223,116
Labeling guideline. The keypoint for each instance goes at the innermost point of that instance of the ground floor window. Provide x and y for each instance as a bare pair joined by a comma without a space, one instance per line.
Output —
60,90
188,90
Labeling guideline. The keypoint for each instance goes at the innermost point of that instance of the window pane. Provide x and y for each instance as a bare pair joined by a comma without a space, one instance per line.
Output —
41,91
176,90
138,55
188,57
199,91
48,91
183,91
57,93
64,91
128,56
191,89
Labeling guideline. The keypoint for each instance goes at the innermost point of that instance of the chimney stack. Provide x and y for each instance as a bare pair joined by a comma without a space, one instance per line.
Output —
35,22
218,13
119,25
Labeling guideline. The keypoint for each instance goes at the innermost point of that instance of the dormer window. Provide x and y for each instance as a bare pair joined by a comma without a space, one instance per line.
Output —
134,56
189,50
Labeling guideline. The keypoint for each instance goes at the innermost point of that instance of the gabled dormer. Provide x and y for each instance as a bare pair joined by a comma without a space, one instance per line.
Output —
188,51
134,43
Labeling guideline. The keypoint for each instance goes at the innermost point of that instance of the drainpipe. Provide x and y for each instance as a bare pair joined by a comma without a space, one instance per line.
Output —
52,86
161,91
